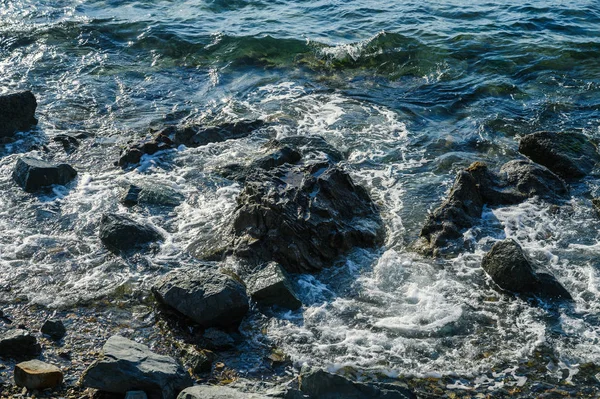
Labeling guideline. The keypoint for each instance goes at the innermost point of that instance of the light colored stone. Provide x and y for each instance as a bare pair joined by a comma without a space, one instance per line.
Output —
35,374
216,392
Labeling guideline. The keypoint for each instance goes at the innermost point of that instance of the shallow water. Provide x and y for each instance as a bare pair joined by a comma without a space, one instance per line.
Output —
410,91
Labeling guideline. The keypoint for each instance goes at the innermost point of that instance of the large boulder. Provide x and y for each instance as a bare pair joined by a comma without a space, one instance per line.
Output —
512,270
17,113
35,374
35,174
271,286
569,155
121,233
303,217
211,299
19,344
216,392
320,384
129,366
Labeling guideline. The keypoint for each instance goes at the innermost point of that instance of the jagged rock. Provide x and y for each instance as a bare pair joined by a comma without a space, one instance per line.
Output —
512,270
129,366
323,385
199,361
311,148
17,113
216,392
19,344
69,143
476,186
190,136
303,217
34,174
278,157
211,299
151,194
271,286
569,155
55,329
121,233
35,374
131,196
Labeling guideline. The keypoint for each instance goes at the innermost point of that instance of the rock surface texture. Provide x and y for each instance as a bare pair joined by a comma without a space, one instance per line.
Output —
211,299
272,286
512,270
129,366
19,344
17,113
34,174
35,374
121,233
303,217
55,329
216,392
569,155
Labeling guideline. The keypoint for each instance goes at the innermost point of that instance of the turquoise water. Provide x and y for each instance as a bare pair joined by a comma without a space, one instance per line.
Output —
410,91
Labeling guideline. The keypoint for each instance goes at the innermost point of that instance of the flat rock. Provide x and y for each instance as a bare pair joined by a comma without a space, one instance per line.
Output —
55,329
151,194
216,392
512,270
19,344
35,174
17,113
211,299
35,374
122,233
303,217
271,286
129,366
569,155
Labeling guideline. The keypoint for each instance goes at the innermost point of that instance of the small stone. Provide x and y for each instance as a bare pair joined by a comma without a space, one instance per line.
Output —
131,195
68,142
218,339
217,392
36,374
122,233
55,329
200,361
35,174
19,344
271,286
17,112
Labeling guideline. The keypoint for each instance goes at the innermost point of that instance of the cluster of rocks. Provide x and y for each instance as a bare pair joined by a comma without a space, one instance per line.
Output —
555,156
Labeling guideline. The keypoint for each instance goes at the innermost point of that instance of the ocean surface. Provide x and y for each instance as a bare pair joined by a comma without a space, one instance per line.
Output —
410,91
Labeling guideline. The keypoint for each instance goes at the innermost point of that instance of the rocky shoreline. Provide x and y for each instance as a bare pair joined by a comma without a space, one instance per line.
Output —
298,212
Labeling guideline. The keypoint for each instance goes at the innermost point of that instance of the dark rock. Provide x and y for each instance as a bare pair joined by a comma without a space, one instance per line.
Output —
151,194
596,203
311,148
199,361
35,374
211,299
512,270
323,385
129,366
17,113
476,186
19,344
271,286
569,155
131,195
303,216
121,233
34,174
55,329
277,158
69,143
216,392
218,340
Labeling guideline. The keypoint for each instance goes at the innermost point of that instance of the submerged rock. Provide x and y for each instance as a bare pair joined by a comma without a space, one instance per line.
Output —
303,217
151,194
211,299
19,344
512,270
216,392
271,286
69,143
17,113
34,174
311,148
55,329
121,233
35,374
569,155
323,385
477,186
129,366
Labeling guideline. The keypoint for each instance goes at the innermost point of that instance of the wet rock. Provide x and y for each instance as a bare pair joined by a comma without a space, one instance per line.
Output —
19,344
216,392
199,361
278,157
271,286
217,339
121,233
34,174
323,385
55,329
131,196
69,143
35,374
17,113
311,148
211,299
129,366
512,270
569,155
303,217
151,194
